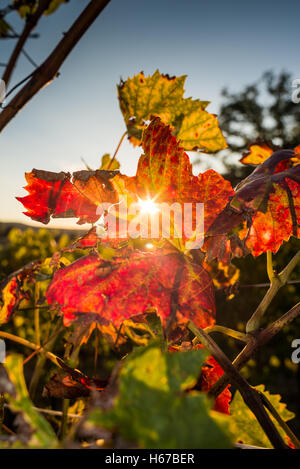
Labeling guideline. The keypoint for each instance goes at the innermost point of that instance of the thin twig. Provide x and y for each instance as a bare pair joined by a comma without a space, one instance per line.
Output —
46,72
277,281
6,335
54,335
8,430
37,316
254,344
30,59
249,394
57,413
264,285
64,418
270,269
227,331
30,24
117,149
18,84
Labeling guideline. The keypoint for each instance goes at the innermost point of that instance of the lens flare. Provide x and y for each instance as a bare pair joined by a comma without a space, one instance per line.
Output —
148,206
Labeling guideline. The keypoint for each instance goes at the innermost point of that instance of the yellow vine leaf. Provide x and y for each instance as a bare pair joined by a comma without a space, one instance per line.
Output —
160,95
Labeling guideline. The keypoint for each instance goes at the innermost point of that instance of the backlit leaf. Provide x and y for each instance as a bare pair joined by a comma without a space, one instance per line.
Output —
164,173
266,204
160,95
260,151
54,195
12,291
152,408
249,430
108,164
123,288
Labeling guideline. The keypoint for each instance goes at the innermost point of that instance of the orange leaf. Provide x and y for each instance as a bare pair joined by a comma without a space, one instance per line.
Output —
118,290
266,204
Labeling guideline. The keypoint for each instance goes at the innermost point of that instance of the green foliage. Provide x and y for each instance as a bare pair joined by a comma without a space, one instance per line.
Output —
263,110
161,95
25,246
4,28
28,7
248,429
41,434
107,163
153,407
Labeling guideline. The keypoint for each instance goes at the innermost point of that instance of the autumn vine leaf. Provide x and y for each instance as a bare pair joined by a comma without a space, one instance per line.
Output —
56,195
266,205
13,292
160,95
123,288
164,173
247,428
25,8
11,297
256,210
259,151
210,374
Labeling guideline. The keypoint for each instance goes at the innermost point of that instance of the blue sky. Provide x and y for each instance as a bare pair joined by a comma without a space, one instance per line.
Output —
215,43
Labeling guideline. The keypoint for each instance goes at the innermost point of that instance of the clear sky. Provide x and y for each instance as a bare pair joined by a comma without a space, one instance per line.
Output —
216,43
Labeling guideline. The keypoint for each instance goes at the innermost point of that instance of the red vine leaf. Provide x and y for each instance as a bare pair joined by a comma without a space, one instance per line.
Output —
12,291
211,372
123,288
164,173
266,205
54,195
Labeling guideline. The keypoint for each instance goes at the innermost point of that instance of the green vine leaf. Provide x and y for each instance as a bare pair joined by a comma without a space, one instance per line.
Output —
153,409
41,433
160,95
248,430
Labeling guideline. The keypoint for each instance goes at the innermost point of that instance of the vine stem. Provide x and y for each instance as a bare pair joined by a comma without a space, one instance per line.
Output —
30,24
280,421
47,342
227,331
39,366
96,354
8,430
117,149
270,269
53,358
277,281
249,394
64,420
255,343
48,70
37,316
57,413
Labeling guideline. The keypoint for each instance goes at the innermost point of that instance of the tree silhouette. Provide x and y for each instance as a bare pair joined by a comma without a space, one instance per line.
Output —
263,109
